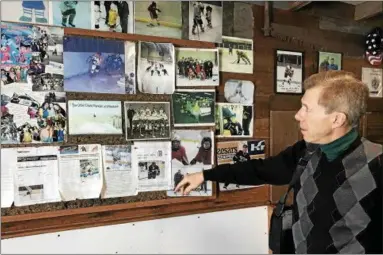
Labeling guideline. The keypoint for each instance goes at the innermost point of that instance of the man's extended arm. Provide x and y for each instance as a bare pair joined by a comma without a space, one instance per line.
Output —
276,170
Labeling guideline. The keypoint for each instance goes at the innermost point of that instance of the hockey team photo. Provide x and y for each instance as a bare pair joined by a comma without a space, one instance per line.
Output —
236,55
289,72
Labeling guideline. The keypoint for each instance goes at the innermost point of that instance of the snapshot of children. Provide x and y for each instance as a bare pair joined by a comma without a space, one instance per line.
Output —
34,9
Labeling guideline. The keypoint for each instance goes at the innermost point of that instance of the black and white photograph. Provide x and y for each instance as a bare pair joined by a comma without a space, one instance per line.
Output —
197,67
193,107
239,91
236,55
113,16
205,21
234,120
155,68
373,77
289,72
30,194
151,170
147,120
46,68
130,67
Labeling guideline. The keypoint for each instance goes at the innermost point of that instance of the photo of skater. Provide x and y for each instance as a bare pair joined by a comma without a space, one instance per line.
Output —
25,11
113,16
71,14
236,55
197,67
155,70
97,65
205,21
289,72
239,91
234,120
158,18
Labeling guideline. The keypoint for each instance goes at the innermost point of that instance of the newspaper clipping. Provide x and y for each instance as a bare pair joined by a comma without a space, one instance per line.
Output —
234,152
80,172
35,175
120,178
153,163
8,163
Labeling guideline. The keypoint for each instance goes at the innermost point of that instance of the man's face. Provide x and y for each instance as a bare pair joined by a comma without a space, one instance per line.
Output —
316,126
244,149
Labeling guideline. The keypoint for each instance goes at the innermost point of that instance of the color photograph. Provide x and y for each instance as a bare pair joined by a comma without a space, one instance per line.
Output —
113,16
239,91
88,117
329,61
147,120
25,11
158,18
236,55
70,14
289,72
205,21
197,67
155,68
97,65
234,120
193,108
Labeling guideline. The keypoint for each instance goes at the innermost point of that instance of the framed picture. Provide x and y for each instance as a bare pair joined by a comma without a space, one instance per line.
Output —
289,72
329,61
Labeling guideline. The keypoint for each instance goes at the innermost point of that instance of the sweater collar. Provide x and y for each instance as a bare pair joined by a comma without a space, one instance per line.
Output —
335,148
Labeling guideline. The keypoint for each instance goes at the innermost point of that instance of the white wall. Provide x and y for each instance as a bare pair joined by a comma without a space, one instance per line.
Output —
243,231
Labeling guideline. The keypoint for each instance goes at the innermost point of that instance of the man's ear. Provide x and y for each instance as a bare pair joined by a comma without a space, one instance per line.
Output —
339,119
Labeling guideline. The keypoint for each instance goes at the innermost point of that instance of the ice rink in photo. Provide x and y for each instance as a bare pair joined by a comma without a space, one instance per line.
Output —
202,32
239,91
289,75
236,55
70,14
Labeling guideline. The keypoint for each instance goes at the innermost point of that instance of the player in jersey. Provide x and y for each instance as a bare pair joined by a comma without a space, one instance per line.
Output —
179,151
241,156
112,17
197,18
209,10
243,56
289,72
163,118
153,12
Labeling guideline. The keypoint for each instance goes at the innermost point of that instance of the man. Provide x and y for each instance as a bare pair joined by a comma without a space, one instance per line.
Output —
332,65
338,197
241,156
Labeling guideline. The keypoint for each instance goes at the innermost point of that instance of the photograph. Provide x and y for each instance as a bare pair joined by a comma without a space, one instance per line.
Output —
197,67
234,120
88,117
372,77
239,91
289,72
97,65
179,172
113,16
329,61
30,193
155,68
147,120
151,170
70,14
130,67
193,107
205,21
89,169
46,68
25,11
158,18
117,157
236,55
32,117
235,152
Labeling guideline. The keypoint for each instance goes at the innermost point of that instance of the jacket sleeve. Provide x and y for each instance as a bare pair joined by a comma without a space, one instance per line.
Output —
275,170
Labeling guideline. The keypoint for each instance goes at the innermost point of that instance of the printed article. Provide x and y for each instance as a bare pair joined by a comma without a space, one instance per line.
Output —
8,164
36,175
152,161
80,167
120,178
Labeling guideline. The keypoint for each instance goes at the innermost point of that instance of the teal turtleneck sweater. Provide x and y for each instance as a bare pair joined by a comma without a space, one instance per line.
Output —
335,148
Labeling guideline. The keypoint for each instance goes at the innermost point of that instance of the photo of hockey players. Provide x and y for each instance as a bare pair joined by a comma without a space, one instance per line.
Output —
156,69
329,61
94,117
30,194
117,157
113,16
151,170
289,72
235,152
234,120
193,108
372,77
236,55
239,91
89,169
71,14
46,69
158,18
25,11
197,67
130,67
96,65
147,120
205,21
32,117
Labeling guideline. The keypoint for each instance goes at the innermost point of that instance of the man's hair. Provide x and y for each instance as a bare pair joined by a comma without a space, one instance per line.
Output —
342,92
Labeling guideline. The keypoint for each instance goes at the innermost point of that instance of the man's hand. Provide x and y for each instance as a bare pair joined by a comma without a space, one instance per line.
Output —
189,183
